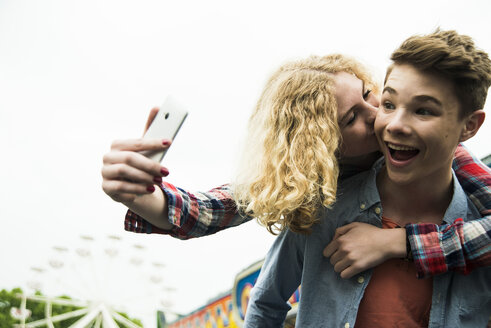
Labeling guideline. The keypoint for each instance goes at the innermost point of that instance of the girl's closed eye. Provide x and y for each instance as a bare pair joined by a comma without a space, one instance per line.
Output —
352,118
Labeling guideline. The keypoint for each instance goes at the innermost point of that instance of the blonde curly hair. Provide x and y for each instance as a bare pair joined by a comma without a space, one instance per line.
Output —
289,167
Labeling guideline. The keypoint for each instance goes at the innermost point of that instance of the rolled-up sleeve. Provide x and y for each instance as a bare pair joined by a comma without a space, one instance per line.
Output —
460,246
192,214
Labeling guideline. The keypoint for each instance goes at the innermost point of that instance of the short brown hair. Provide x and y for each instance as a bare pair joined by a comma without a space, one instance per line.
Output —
455,57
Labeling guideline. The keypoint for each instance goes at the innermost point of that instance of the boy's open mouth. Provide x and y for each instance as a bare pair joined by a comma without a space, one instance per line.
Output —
402,153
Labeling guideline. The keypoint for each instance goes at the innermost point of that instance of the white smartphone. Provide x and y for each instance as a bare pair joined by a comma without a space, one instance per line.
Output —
165,125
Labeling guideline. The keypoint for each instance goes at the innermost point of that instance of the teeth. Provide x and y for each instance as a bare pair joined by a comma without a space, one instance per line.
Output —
397,147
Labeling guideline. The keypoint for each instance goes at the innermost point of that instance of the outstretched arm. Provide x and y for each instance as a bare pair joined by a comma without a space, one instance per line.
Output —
191,215
435,249
130,178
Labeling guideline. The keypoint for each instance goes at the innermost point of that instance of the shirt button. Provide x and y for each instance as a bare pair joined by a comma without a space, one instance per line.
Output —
362,206
346,325
361,280
377,210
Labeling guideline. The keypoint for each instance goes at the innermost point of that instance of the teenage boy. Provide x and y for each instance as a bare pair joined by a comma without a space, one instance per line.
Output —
432,100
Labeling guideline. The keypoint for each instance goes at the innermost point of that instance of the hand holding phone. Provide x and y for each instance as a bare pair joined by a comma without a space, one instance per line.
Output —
165,125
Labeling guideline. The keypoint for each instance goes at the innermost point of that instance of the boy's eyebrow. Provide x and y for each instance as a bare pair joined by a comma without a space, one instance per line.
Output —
422,98
425,98
389,90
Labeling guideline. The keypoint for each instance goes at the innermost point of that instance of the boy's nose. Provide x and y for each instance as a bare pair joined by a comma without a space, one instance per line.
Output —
398,123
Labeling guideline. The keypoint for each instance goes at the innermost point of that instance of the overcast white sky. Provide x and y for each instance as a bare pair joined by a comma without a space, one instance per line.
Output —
74,75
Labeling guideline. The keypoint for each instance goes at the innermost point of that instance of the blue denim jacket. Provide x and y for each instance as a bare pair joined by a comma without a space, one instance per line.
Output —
326,299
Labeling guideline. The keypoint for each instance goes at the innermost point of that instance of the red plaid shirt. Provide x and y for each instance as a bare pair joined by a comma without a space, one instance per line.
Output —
436,249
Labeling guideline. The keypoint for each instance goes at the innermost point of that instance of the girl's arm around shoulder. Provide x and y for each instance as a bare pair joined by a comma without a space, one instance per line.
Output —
435,249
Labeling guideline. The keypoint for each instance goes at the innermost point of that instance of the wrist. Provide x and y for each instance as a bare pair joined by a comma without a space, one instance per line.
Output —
398,243
153,208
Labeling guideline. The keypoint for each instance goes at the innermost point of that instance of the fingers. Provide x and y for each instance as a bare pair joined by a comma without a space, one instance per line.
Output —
346,265
125,190
126,173
120,188
341,265
141,144
131,166
349,272
334,244
129,173
340,254
344,229
330,248
338,257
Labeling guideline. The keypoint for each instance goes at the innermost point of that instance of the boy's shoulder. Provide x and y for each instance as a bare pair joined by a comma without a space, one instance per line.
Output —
461,206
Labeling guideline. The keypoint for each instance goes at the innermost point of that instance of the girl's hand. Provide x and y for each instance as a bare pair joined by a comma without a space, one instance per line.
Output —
127,174
358,246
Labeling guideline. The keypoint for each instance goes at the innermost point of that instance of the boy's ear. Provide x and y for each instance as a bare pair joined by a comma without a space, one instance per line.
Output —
472,124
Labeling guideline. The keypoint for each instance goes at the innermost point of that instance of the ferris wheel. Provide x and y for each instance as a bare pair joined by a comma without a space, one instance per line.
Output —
103,277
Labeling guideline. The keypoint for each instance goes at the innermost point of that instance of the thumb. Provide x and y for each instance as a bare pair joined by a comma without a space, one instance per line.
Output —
151,117
342,230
